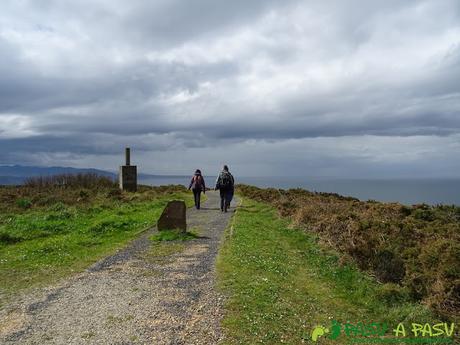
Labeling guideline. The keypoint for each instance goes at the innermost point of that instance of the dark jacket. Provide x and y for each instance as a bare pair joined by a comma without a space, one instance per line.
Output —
219,184
194,183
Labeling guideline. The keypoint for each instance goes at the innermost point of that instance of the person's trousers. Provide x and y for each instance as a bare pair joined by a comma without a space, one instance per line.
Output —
225,198
197,197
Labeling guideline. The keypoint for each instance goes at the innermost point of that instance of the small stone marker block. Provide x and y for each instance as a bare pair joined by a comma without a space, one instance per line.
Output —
128,178
173,216
128,174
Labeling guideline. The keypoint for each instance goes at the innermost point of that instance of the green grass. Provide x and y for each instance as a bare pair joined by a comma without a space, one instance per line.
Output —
166,243
161,252
281,284
40,246
173,235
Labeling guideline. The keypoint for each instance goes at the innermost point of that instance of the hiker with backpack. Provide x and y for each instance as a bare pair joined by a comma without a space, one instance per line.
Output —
197,185
225,184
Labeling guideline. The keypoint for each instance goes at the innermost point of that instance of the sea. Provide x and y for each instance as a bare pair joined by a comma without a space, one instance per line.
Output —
404,191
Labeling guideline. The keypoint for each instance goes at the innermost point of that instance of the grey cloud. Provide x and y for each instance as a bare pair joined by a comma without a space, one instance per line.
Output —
88,78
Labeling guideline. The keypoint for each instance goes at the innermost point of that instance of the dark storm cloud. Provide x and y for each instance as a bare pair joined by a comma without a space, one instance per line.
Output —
173,22
85,78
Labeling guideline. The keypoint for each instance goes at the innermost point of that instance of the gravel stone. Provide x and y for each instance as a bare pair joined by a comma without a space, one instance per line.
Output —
128,299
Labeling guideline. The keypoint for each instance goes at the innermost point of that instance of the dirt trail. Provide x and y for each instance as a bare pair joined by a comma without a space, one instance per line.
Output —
132,297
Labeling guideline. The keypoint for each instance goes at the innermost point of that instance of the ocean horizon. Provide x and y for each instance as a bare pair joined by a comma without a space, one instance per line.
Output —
431,191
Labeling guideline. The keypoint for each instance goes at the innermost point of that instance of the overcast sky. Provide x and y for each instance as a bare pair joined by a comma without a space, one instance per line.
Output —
354,88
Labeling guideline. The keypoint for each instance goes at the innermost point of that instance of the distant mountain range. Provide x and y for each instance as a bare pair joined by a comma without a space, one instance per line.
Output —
17,174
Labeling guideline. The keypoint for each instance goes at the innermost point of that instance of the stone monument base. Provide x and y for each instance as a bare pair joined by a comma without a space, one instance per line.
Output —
128,178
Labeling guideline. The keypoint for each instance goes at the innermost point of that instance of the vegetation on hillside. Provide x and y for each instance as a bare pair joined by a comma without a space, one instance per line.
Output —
280,283
413,250
49,229
81,180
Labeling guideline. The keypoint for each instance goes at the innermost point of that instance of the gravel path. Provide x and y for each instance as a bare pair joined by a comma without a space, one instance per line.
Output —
132,297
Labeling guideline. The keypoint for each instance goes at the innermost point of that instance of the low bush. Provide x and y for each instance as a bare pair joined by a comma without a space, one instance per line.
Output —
23,203
6,238
417,248
81,180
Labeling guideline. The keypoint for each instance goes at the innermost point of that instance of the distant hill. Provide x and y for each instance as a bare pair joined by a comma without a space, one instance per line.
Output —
17,174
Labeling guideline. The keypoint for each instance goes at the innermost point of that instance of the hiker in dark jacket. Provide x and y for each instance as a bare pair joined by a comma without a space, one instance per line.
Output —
197,185
225,184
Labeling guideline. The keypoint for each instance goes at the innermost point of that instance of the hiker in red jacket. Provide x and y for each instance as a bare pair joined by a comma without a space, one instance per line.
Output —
197,185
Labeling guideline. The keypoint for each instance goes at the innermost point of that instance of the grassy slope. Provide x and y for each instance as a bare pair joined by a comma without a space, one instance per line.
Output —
416,247
280,284
60,239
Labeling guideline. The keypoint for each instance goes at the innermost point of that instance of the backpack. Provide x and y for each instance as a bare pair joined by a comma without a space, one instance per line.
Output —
226,180
198,182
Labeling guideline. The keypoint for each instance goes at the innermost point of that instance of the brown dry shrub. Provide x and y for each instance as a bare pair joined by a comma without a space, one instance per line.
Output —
80,180
417,248
83,190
